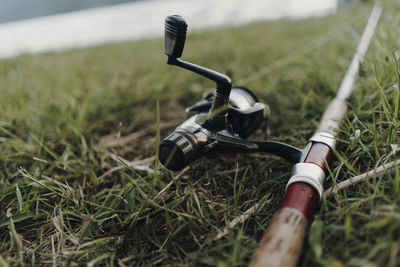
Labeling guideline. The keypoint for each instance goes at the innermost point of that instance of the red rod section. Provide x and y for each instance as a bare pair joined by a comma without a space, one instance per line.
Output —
319,154
302,196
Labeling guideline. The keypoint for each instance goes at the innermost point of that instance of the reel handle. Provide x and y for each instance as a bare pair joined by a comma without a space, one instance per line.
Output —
175,36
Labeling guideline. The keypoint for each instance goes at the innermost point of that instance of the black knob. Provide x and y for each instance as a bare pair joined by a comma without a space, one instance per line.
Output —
175,35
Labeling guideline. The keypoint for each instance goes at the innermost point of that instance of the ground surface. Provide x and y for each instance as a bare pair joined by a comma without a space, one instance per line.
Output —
71,122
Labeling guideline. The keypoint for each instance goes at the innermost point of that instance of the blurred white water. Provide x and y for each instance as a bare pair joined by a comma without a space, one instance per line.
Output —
144,19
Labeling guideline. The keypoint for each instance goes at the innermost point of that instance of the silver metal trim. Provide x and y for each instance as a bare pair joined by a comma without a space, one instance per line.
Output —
325,138
239,100
308,173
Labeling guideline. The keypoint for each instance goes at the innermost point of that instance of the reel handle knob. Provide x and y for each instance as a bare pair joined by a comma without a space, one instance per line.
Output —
175,36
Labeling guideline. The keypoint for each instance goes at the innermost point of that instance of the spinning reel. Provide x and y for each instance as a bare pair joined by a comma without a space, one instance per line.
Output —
221,122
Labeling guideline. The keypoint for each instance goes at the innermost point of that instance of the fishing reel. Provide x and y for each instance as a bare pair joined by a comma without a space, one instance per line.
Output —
219,123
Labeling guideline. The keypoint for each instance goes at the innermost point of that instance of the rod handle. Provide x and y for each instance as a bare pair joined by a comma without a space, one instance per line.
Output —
283,240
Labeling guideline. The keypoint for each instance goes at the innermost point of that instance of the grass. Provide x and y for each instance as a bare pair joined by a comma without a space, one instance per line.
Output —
68,118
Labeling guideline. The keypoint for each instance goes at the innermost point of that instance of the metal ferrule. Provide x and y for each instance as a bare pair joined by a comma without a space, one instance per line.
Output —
308,173
325,138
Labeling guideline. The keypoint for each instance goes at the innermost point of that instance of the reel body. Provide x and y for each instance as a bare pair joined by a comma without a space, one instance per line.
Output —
197,136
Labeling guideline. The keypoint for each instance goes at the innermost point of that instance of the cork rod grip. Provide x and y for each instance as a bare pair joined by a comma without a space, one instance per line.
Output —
282,242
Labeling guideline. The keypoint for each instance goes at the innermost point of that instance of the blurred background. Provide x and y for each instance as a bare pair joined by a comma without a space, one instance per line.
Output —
31,26
12,10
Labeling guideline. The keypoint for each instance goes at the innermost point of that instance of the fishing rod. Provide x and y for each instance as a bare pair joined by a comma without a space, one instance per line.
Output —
223,120
283,240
